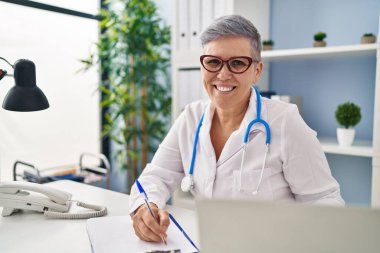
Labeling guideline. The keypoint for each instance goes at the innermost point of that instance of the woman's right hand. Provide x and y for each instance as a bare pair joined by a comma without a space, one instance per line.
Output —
146,227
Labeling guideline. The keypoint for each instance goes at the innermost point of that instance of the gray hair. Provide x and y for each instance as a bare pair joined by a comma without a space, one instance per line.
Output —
233,25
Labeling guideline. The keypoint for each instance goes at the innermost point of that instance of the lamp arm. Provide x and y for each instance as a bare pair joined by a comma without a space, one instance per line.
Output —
7,62
3,72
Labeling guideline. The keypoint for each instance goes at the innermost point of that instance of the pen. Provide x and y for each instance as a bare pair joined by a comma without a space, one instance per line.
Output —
142,191
183,231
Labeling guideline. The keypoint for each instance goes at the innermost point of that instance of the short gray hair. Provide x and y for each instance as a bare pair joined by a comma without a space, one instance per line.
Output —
233,25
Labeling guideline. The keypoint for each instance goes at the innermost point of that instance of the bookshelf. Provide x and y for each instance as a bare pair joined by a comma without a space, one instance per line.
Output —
360,148
188,59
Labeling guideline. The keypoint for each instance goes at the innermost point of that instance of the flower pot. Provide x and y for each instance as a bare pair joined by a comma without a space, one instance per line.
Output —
345,136
319,43
267,47
368,39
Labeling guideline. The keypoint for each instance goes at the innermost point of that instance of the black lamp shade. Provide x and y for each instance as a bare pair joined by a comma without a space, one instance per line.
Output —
25,96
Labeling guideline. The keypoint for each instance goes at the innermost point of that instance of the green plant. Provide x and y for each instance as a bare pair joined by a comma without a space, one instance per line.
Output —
348,114
268,42
320,36
134,53
368,35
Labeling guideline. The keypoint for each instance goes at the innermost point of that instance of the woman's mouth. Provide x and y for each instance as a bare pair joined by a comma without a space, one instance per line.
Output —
224,88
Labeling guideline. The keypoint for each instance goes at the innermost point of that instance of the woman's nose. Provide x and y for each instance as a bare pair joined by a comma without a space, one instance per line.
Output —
224,73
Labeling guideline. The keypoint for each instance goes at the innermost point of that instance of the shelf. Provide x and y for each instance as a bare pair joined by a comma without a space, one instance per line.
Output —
361,49
190,58
359,148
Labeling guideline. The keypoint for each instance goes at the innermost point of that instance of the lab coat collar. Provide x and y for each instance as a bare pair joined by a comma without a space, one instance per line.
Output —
204,134
235,142
251,114
209,164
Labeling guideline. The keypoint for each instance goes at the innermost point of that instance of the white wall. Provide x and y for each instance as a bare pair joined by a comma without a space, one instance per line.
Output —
55,43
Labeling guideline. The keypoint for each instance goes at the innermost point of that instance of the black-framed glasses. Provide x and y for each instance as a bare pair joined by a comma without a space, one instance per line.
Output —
237,64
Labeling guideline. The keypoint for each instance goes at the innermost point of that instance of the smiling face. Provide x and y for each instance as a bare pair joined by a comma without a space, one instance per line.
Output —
226,89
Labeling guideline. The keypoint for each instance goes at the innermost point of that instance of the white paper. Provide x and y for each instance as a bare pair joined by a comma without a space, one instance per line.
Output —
115,234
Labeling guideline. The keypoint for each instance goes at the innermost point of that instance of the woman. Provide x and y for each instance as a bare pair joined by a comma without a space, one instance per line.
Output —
295,168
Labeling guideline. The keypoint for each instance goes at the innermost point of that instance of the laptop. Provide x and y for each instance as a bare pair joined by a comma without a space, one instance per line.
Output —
251,226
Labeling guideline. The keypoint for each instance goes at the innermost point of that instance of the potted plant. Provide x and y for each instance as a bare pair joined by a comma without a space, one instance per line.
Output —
134,55
268,45
368,38
347,115
319,39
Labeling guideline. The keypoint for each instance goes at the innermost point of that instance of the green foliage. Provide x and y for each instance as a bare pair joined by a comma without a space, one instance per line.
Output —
320,36
368,35
134,53
348,114
268,42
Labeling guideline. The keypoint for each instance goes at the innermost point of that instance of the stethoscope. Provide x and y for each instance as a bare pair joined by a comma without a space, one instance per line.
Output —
187,183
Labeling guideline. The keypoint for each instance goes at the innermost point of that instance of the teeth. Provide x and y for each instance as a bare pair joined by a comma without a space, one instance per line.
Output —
224,88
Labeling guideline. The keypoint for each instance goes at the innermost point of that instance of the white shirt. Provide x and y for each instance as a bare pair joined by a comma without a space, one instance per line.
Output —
296,167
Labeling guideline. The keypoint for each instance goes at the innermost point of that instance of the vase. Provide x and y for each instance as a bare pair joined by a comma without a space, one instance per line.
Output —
267,47
319,43
345,136
367,39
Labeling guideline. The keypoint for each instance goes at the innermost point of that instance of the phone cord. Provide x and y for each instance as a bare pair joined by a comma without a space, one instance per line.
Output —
99,211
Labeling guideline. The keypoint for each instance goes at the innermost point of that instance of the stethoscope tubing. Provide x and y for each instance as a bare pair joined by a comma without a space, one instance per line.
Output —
255,121
195,145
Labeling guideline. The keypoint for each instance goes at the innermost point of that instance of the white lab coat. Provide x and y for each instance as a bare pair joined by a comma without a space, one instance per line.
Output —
296,167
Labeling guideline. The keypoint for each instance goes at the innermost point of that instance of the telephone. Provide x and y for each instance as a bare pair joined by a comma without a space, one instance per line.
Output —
16,195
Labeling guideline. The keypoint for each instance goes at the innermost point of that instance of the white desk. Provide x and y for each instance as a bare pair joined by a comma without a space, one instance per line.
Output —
32,232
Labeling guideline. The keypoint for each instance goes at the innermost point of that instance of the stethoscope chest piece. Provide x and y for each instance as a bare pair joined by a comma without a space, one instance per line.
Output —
187,183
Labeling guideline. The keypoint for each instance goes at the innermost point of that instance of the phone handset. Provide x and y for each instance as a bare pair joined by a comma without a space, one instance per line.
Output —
53,203
55,195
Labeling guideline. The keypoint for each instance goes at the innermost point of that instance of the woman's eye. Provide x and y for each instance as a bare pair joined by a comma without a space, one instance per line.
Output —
214,62
237,63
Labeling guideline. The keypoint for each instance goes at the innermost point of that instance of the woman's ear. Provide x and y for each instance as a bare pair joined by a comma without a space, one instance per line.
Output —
258,71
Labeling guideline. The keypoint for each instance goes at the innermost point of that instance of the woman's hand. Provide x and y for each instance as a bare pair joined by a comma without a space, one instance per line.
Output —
146,227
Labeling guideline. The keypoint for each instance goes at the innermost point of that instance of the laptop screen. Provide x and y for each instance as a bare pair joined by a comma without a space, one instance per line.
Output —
251,226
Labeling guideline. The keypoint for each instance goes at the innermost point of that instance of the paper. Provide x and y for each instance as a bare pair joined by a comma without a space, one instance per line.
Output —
116,234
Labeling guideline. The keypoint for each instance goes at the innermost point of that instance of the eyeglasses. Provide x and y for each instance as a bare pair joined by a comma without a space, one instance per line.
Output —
237,65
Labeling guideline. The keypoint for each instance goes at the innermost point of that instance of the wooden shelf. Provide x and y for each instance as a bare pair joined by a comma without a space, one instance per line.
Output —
361,49
359,148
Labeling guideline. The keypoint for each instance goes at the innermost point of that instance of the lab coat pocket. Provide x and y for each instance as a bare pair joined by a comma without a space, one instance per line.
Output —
249,181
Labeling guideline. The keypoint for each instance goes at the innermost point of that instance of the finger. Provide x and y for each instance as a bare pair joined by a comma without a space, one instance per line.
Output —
139,233
164,219
148,233
143,232
152,224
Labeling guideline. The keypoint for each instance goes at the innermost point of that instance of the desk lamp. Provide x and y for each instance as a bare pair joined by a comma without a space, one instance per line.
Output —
25,96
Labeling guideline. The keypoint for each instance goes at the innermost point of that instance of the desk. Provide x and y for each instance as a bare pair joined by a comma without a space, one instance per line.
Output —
32,232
